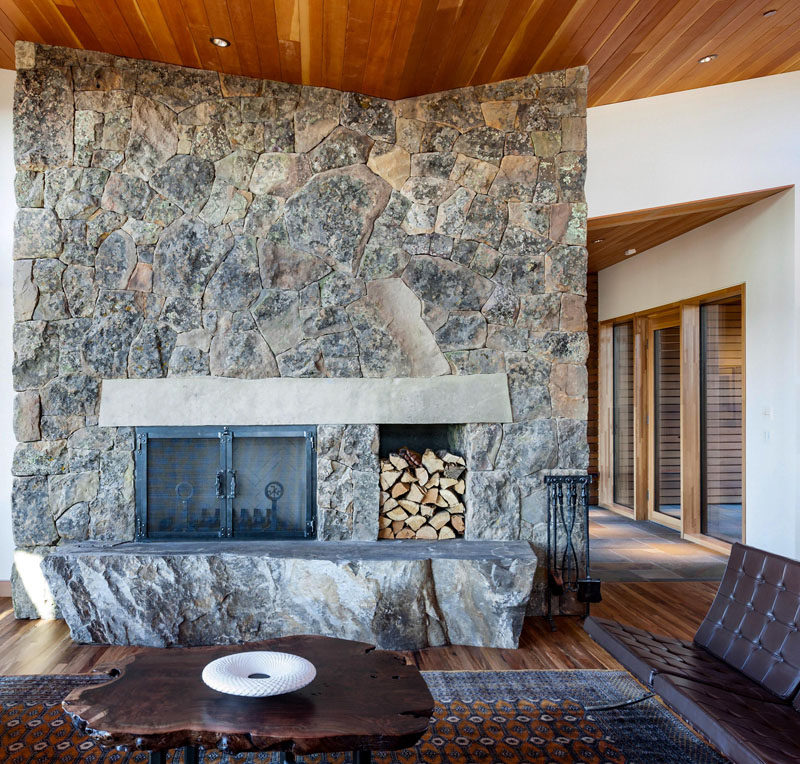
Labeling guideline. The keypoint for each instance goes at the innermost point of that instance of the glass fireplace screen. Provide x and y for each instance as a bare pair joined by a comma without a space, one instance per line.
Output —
232,482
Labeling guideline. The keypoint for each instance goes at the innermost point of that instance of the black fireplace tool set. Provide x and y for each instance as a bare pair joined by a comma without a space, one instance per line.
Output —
567,501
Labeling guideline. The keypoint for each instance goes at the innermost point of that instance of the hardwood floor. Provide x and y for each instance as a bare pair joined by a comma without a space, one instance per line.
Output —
674,608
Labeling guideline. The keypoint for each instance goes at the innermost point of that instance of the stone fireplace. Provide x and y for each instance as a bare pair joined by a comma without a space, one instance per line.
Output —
196,250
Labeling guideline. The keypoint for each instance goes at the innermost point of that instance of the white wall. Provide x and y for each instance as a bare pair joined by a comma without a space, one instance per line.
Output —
7,208
712,142
696,144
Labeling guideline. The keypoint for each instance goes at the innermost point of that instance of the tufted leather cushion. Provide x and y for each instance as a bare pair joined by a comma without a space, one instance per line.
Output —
753,622
745,730
645,655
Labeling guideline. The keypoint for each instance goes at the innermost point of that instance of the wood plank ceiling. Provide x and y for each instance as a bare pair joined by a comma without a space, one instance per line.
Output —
609,237
399,48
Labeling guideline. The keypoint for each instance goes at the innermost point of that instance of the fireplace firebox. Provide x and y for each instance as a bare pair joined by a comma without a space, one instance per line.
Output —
222,483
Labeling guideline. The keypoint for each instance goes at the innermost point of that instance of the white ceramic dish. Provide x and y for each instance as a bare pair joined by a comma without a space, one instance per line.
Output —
279,673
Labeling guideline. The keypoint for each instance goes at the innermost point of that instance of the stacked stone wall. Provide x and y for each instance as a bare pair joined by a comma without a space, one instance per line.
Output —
179,222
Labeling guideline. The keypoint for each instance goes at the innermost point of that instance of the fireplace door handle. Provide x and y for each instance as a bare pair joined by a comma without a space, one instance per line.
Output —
232,485
220,485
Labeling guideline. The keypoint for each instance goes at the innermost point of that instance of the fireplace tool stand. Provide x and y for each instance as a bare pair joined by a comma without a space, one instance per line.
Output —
567,500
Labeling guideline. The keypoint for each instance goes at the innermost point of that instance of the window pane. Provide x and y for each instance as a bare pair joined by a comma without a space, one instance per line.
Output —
721,425
667,400
623,414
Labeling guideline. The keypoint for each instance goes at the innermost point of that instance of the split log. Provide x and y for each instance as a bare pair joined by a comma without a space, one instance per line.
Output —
398,489
398,462
415,522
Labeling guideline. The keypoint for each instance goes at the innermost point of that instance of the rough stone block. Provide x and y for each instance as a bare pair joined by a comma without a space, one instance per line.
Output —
31,518
27,410
44,117
569,390
37,234
26,293
456,592
39,458
493,510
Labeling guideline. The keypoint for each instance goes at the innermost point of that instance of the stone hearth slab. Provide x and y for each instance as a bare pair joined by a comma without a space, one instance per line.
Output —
398,595
196,401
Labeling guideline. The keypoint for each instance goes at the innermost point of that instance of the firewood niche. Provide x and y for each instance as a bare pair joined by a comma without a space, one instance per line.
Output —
422,495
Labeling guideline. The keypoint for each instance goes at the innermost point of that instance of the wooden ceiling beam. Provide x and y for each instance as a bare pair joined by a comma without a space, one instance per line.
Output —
608,237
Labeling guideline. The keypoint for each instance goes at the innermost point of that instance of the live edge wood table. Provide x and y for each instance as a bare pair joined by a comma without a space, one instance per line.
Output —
361,700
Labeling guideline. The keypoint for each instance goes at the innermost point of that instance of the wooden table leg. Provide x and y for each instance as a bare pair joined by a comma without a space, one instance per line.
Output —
362,757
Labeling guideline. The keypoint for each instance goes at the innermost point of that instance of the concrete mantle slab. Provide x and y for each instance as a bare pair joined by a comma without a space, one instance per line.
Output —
198,401
398,595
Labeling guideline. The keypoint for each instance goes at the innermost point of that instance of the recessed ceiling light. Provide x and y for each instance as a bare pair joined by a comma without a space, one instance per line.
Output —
770,12
706,59
597,241
220,42
629,252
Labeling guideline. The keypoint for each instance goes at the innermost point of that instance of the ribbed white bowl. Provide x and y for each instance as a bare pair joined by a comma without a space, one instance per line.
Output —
285,672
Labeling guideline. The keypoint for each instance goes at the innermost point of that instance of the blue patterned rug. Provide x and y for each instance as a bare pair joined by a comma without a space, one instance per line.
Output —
482,717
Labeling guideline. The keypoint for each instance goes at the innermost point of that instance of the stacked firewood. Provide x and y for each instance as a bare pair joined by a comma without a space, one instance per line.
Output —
422,496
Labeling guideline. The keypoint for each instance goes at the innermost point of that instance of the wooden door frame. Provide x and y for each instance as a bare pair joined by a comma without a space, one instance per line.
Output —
605,413
664,319
687,313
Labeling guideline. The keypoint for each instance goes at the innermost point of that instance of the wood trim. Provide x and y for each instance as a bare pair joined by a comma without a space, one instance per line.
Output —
690,418
610,236
640,409
744,413
672,308
619,510
5,588
709,542
592,362
700,538
605,439
661,319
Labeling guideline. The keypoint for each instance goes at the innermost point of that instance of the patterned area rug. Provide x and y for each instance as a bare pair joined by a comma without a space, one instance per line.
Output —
508,717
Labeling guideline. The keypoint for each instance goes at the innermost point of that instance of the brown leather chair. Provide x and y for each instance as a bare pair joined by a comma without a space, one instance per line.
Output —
738,682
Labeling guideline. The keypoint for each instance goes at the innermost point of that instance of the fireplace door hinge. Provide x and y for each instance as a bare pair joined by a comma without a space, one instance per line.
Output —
311,528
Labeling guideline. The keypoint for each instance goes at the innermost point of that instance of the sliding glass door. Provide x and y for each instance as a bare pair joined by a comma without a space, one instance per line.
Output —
671,416
623,415
665,506
721,426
